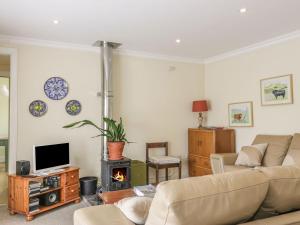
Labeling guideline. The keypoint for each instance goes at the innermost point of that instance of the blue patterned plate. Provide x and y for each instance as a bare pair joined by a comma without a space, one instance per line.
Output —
73,107
56,88
38,108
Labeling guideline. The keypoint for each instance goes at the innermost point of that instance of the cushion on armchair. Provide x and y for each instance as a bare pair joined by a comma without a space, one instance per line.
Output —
164,159
276,150
293,155
251,155
135,208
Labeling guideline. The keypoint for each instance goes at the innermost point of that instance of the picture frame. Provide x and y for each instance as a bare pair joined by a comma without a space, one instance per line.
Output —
240,114
277,90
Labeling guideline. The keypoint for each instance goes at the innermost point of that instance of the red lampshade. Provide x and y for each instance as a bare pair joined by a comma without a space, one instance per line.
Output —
200,106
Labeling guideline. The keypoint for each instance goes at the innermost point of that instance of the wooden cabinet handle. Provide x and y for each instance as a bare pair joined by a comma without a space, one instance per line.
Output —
72,176
72,190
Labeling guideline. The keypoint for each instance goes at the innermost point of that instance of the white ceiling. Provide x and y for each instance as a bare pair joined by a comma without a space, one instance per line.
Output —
206,27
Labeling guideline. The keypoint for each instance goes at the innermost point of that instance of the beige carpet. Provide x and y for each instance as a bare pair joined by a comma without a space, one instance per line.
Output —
59,216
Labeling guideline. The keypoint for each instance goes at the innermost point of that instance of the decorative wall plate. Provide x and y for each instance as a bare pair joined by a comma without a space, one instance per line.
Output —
73,107
38,108
56,88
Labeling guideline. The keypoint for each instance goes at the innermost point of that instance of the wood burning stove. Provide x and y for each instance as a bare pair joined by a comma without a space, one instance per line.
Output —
115,174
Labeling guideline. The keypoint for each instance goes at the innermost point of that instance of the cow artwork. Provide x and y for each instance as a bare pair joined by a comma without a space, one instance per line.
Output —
277,90
240,114
278,93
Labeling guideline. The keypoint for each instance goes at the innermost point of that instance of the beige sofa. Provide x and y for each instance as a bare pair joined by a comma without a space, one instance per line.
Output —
228,198
281,150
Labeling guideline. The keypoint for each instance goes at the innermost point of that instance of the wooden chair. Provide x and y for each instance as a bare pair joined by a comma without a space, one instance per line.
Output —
160,165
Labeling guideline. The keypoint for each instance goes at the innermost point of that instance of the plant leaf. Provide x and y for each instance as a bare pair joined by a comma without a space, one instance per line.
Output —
113,131
72,124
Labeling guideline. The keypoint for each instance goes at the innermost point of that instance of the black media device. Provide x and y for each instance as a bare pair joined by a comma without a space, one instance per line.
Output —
50,157
22,168
53,181
49,198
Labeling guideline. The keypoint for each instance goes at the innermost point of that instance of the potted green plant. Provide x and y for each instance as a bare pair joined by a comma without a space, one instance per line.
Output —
115,134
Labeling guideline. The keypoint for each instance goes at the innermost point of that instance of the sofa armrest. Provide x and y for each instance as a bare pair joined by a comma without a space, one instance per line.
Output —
218,161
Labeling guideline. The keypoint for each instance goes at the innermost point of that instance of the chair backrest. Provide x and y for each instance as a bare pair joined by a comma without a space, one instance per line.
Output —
156,145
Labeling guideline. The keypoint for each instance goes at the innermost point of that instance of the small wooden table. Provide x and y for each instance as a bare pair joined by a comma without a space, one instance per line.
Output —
111,197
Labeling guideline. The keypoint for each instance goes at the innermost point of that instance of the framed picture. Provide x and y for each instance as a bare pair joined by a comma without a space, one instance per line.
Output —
240,114
277,90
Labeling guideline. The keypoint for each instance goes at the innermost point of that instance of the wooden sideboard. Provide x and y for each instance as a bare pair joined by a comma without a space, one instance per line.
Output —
19,195
202,143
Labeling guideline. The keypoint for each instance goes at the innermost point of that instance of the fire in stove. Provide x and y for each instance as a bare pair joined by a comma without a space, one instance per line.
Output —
119,175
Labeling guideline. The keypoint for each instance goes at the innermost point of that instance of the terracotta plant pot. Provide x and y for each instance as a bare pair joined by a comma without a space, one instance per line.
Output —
115,150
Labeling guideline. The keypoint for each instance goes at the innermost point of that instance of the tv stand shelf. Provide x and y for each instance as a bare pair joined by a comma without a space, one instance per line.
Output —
45,192
19,192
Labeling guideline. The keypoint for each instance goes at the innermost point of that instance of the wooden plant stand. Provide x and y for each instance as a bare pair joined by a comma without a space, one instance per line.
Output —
19,192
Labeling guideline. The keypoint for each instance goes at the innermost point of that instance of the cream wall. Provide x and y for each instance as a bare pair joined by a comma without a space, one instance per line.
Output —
237,79
81,71
4,108
153,96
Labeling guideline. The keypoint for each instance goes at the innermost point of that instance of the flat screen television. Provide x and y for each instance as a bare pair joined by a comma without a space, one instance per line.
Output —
50,157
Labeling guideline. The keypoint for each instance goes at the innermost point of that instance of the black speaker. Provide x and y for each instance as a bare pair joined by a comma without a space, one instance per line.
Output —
23,168
49,198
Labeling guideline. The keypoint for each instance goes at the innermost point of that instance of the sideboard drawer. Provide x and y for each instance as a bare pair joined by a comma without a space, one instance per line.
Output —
199,161
72,177
72,192
198,171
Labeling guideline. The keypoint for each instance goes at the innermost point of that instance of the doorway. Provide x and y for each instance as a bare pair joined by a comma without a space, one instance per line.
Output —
4,125
9,143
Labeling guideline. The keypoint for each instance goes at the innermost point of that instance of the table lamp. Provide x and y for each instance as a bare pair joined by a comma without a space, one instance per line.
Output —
200,106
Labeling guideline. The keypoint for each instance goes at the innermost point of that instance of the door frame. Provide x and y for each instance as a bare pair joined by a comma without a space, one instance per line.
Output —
13,107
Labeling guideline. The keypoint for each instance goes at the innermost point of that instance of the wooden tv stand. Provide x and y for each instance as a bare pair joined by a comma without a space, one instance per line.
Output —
18,201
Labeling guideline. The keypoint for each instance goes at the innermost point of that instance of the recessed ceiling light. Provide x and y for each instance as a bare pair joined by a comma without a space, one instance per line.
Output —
178,41
243,10
55,21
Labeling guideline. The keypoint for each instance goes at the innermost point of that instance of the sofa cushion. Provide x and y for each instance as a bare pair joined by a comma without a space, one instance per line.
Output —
135,208
292,218
284,190
276,150
230,168
226,198
103,214
293,155
251,156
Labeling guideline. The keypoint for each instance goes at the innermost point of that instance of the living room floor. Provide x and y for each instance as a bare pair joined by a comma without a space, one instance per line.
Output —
60,216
